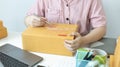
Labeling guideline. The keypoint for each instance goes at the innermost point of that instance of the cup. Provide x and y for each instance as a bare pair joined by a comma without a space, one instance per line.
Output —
81,63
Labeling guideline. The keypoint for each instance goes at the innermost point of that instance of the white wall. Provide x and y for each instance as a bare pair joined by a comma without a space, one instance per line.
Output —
112,10
12,12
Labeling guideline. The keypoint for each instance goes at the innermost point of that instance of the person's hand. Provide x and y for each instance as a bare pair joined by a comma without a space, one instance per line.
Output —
73,45
36,21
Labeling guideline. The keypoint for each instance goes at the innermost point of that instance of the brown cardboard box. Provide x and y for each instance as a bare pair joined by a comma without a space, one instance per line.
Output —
1,24
115,59
48,39
111,62
3,30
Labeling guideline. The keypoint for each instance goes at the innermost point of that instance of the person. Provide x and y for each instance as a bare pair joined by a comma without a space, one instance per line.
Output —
87,14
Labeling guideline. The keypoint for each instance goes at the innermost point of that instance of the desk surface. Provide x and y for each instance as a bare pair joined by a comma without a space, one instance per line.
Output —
49,60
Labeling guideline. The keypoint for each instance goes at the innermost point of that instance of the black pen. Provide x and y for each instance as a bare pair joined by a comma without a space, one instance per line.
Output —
90,57
86,56
40,66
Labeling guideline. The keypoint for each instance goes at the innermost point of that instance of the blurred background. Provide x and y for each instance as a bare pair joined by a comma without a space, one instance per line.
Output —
13,12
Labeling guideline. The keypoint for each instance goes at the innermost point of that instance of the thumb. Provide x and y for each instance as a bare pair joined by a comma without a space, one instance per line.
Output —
75,34
68,41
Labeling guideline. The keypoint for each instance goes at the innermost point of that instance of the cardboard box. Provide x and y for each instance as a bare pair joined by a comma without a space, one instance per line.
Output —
48,39
117,54
1,25
115,59
111,62
3,30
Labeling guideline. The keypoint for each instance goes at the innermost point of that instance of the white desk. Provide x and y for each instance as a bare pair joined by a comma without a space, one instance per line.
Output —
49,60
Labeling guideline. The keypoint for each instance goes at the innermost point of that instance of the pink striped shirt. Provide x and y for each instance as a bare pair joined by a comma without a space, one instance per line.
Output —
87,13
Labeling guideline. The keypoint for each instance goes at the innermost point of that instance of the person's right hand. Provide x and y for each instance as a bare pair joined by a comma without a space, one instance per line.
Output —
36,21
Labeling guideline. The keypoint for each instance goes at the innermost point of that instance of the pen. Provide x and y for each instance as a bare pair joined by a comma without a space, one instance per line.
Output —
40,66
86,55
91,56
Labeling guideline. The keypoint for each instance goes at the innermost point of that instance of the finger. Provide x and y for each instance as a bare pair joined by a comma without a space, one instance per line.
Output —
35,23
67,44
42,23
36,18
68,47
42,19
75,41
68,41
71,34
39,23
75,45
50,25
76,34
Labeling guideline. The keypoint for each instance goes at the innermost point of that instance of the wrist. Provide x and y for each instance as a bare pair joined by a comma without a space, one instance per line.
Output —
82,41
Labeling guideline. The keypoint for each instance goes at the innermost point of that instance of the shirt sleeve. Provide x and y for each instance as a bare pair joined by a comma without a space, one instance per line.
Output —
37,9
96,15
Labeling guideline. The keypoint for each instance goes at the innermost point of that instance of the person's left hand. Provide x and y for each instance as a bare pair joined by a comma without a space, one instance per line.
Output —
73,45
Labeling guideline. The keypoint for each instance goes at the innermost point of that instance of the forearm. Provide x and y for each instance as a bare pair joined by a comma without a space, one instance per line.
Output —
94,35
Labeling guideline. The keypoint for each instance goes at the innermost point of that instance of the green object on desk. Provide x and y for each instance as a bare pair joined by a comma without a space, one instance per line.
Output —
81,53
80,56
82,49
100,58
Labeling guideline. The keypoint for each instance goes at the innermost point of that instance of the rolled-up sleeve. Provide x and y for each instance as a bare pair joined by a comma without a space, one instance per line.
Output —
37,8
96,14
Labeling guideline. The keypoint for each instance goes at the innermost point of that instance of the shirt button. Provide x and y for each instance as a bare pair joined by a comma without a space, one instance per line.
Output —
67,5
67,18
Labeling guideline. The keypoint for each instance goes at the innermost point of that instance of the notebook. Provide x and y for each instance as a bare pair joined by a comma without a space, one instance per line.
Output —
11,56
